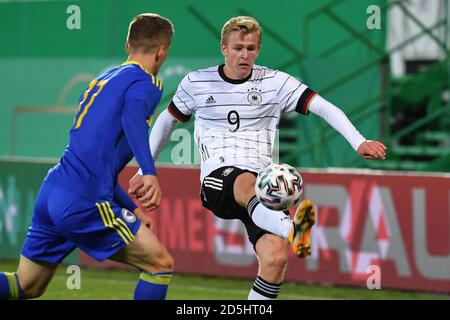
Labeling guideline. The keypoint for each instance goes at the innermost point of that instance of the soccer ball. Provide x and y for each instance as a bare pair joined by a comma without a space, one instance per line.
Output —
279,186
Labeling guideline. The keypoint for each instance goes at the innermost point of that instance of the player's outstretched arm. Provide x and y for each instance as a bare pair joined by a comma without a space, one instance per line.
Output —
160,133
335,117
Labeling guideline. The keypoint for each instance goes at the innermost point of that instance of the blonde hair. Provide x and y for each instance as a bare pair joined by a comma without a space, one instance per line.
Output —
244,24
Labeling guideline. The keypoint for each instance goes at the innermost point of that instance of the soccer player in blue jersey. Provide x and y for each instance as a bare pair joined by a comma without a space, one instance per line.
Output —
80,203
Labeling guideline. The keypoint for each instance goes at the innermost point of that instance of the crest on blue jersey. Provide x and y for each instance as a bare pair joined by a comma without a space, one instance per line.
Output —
128,216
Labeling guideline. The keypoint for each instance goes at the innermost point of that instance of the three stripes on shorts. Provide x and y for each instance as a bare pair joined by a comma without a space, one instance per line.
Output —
117,224
213,183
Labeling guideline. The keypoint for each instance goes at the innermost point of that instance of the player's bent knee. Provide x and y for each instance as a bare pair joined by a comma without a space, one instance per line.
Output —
161,261
164,262
272,251
276,261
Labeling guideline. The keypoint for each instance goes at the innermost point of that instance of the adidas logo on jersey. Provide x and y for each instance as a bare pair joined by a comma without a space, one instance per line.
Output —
210,100
227,171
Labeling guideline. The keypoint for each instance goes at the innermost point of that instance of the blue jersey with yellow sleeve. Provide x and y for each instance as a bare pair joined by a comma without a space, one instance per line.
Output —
108,130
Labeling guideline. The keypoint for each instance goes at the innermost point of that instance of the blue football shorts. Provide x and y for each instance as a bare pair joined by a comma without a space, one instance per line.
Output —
63,221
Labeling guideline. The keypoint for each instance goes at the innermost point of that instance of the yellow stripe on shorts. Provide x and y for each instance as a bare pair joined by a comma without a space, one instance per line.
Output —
99,207
126,228
108,221
117,222
107,216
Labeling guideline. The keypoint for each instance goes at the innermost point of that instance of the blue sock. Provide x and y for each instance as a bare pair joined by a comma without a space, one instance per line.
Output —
10,286
152,285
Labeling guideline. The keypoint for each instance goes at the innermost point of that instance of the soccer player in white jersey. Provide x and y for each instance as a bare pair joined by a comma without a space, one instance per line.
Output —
237,107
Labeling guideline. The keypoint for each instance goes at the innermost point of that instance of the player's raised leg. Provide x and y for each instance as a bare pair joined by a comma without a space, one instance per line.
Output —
276,222
30,280
151,256
297,231
300,235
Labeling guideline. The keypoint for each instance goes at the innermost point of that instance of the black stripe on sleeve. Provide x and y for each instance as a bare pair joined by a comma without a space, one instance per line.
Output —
180,116
304,101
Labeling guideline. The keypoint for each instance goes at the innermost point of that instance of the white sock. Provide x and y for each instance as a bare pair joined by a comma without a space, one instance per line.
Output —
264,290
275,222
253,295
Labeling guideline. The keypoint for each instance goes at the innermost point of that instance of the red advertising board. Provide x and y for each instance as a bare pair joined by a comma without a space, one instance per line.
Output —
398,223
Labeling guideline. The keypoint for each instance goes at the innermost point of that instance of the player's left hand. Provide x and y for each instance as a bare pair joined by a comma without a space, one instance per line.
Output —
371,150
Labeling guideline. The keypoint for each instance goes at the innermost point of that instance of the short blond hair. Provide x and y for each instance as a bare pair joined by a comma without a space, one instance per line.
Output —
244,24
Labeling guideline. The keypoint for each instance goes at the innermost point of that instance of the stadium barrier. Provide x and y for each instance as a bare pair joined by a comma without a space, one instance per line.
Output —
396,223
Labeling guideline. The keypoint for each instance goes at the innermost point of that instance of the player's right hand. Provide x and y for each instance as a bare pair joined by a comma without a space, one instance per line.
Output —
371,150
135,184
151,192
146,189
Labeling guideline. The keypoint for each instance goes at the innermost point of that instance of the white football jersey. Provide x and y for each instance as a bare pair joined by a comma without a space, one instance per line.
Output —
236,120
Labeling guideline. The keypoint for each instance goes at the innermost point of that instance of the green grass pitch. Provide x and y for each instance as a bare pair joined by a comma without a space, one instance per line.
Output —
103,284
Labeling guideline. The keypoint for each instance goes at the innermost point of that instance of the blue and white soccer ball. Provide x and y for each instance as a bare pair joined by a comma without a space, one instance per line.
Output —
279,186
